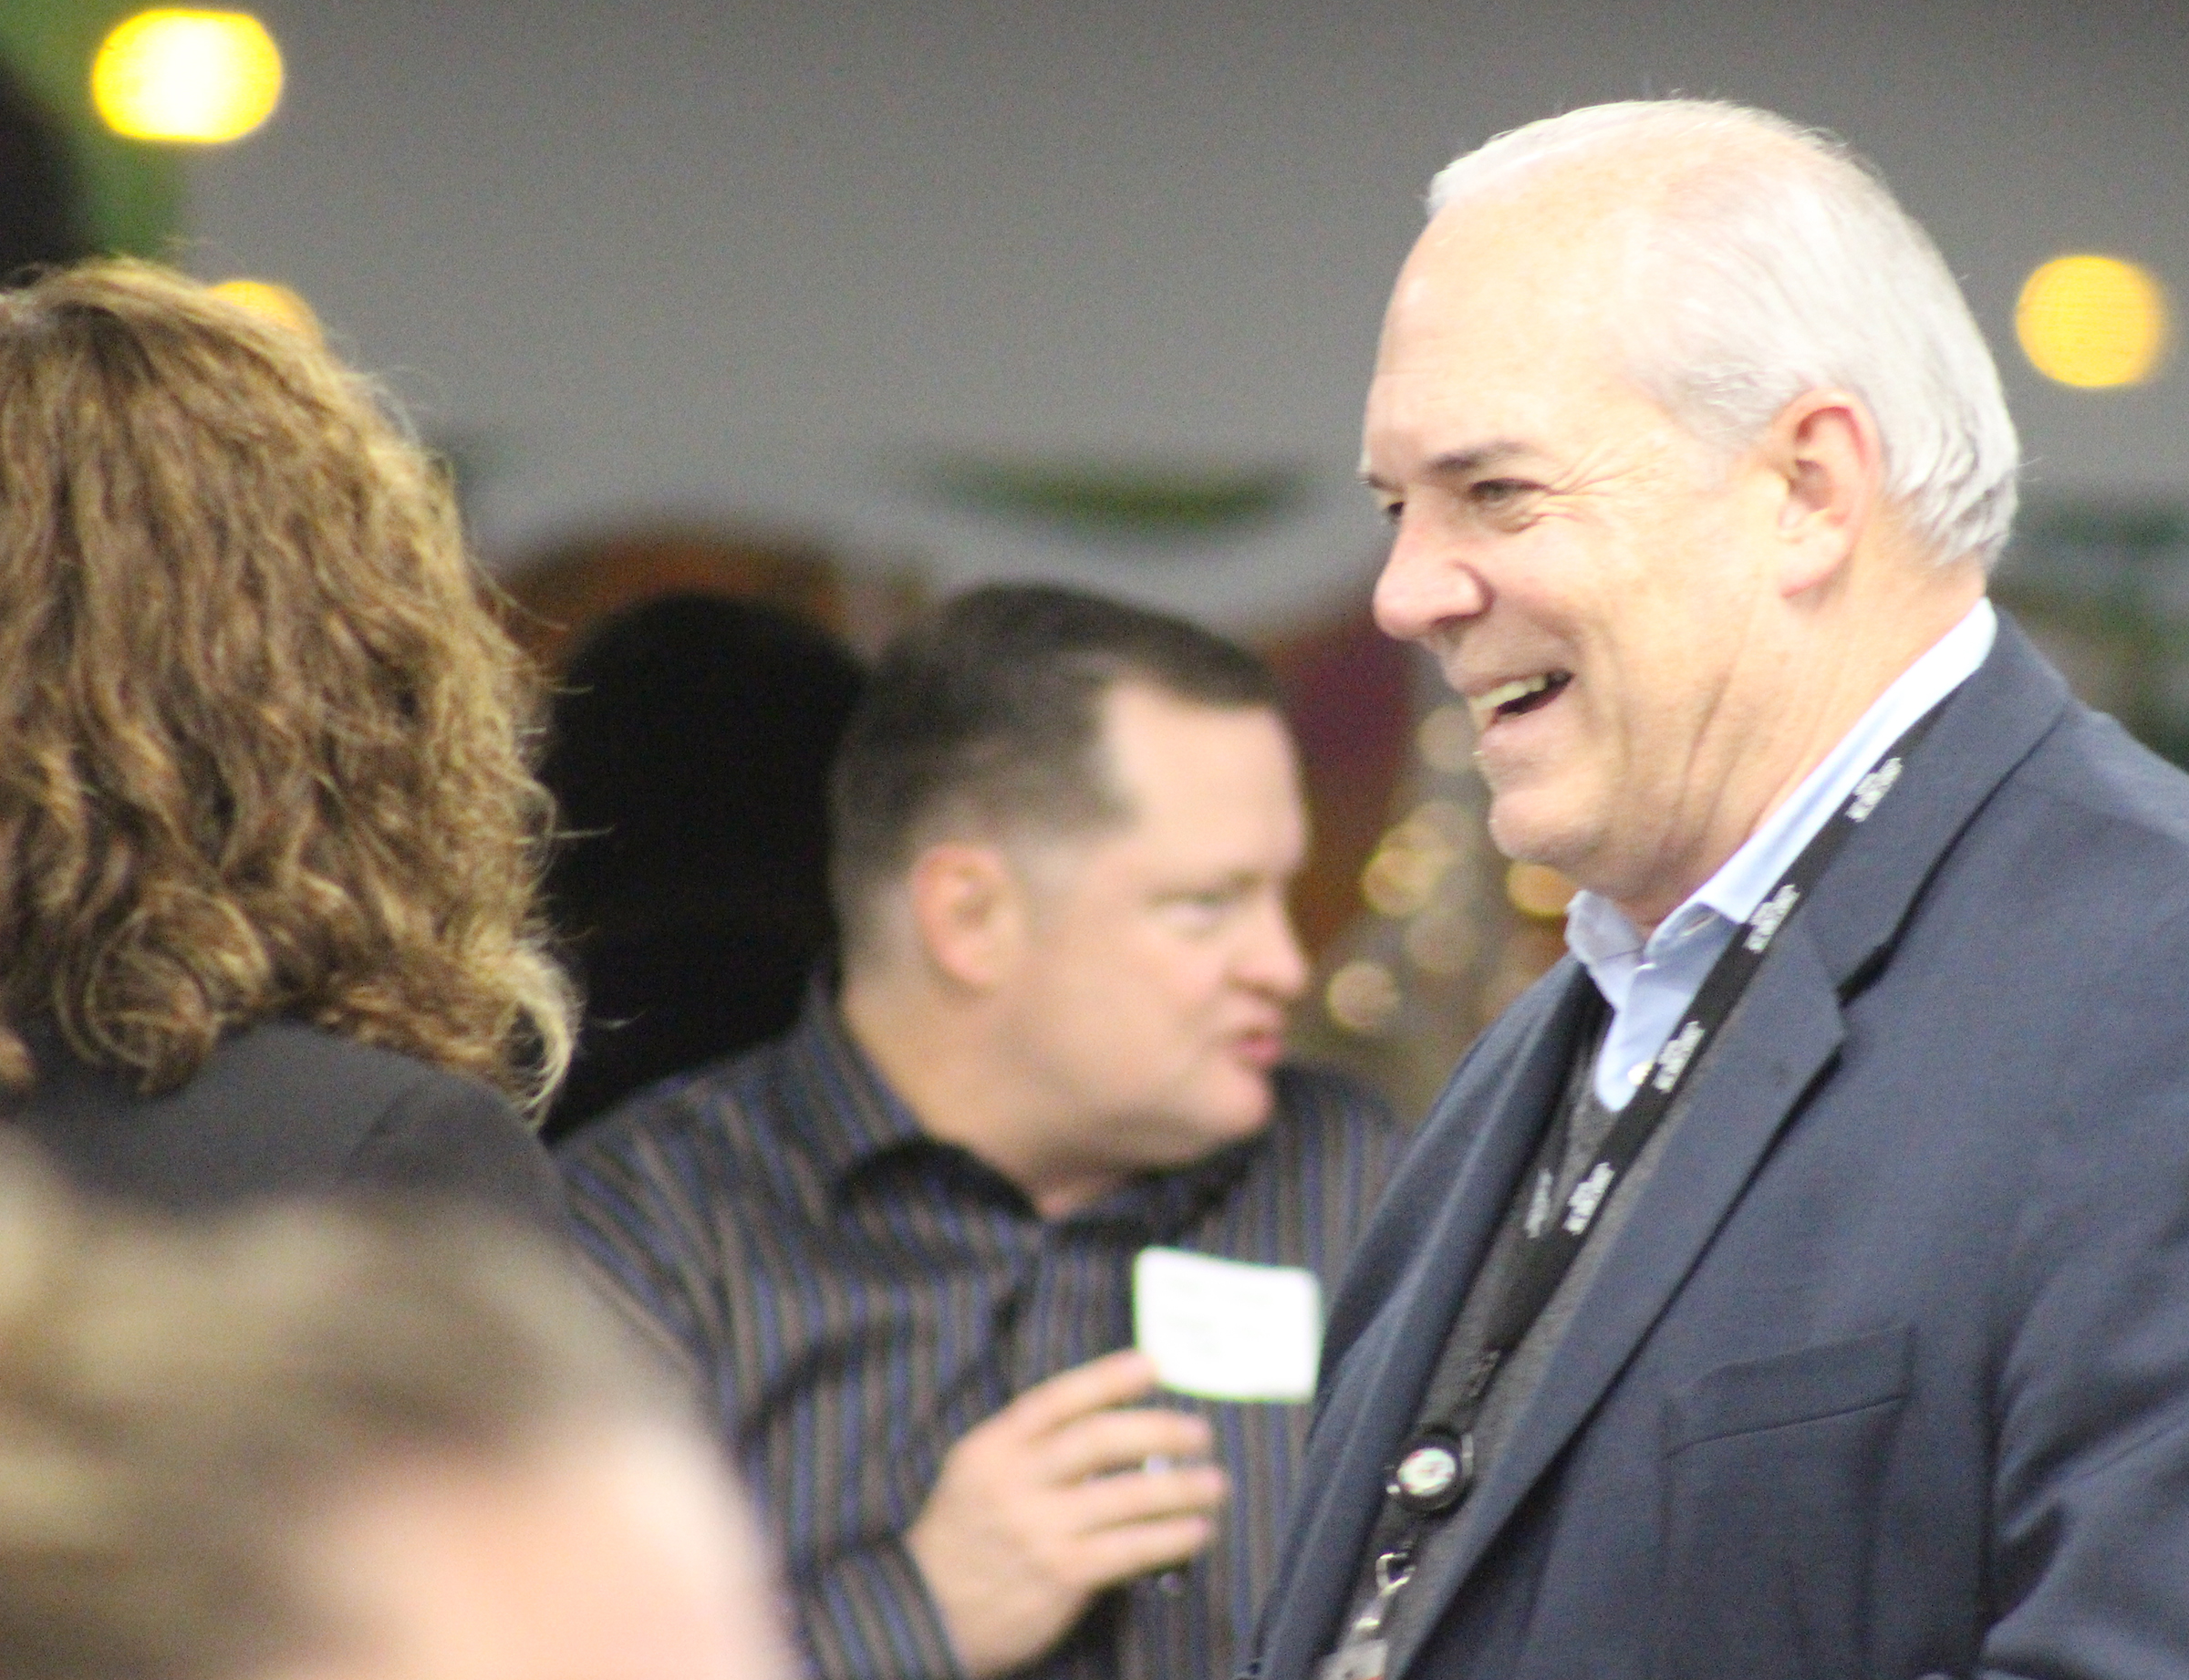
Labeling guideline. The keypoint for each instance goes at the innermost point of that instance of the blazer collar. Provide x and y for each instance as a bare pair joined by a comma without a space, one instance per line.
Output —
1991,724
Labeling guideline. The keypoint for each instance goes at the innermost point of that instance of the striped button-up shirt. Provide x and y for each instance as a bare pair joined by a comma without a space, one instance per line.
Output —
852,1296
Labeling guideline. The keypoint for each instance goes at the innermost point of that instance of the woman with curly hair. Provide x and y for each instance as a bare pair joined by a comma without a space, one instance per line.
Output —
268,839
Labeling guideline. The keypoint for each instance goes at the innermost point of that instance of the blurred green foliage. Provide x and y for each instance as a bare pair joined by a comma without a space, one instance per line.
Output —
2104,590
1128,502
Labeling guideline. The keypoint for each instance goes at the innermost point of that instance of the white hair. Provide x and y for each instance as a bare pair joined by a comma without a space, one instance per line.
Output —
1770,269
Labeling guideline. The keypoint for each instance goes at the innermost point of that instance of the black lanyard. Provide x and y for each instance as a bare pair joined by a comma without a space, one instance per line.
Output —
1434,1472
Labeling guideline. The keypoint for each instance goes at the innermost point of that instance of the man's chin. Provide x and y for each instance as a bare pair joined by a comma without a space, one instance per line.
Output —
1237,1104
1251,1112
1528,829
1230,1117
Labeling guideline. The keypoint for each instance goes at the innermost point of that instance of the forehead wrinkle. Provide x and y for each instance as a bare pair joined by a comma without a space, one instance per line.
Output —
1489,280
1559,293
1458,463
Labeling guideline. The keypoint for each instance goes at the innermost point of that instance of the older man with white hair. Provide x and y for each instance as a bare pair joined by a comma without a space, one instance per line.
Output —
1796,1281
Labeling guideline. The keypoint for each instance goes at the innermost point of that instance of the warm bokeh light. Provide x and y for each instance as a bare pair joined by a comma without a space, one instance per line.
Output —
1537,890
275,301
1412,857
1363,996
2092,321
1446,739
202,76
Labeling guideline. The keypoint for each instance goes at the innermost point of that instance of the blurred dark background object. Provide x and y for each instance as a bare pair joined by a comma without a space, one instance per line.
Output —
41,222
690,743
1348,696
113,195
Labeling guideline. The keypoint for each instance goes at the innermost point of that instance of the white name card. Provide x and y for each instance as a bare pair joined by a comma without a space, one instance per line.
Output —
1227,1330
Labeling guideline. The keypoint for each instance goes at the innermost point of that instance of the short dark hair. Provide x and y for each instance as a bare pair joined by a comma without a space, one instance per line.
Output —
991,709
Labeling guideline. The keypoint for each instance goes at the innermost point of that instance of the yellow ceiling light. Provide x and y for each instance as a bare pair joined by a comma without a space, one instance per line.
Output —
200,77
2092,321
275,303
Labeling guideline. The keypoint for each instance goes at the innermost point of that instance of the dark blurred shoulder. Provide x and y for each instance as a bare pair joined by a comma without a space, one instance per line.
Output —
281,1109
677,1105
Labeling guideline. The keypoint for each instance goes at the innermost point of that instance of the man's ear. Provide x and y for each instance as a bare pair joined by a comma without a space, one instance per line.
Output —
1827,462
968,911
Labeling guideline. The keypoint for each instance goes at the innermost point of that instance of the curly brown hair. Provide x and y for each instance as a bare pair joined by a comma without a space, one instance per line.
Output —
262,747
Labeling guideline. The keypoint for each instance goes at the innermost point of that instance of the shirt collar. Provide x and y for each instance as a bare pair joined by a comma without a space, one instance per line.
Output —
850,1115
1597,930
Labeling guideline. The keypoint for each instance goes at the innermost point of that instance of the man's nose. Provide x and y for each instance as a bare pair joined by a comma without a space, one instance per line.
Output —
1272,962
1426,584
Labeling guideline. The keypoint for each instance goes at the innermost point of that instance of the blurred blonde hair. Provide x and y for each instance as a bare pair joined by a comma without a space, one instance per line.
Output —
263,748
184,1406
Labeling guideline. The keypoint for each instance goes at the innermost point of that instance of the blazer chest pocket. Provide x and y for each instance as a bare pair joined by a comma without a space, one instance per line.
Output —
1774,1472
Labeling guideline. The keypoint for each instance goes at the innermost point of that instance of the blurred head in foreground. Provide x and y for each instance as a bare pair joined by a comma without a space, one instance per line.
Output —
347,1446
261,744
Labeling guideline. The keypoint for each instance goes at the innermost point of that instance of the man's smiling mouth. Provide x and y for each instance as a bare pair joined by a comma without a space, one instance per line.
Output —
1514,699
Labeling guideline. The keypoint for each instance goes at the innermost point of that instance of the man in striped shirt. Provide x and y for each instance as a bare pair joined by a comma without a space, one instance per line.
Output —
896,1248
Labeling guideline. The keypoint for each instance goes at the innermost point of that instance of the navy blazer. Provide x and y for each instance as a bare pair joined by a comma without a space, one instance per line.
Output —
1888,1372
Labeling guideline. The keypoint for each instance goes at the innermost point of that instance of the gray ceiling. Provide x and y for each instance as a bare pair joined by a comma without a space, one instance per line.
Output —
755,258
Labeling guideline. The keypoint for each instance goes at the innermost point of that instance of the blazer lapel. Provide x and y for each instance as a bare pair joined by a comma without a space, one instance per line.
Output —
1741,1096
1787,1029
1458,1178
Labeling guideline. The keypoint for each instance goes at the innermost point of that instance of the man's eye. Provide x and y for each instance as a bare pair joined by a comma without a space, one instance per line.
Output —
1200,909
1498,492
1392,509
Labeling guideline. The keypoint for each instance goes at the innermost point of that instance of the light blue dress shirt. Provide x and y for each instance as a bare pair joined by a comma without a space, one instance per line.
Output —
1650,983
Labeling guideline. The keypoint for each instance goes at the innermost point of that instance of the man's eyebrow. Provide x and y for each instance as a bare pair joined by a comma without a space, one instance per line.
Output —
1459,463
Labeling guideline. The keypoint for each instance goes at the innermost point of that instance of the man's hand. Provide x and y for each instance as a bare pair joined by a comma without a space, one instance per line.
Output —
1048,1502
